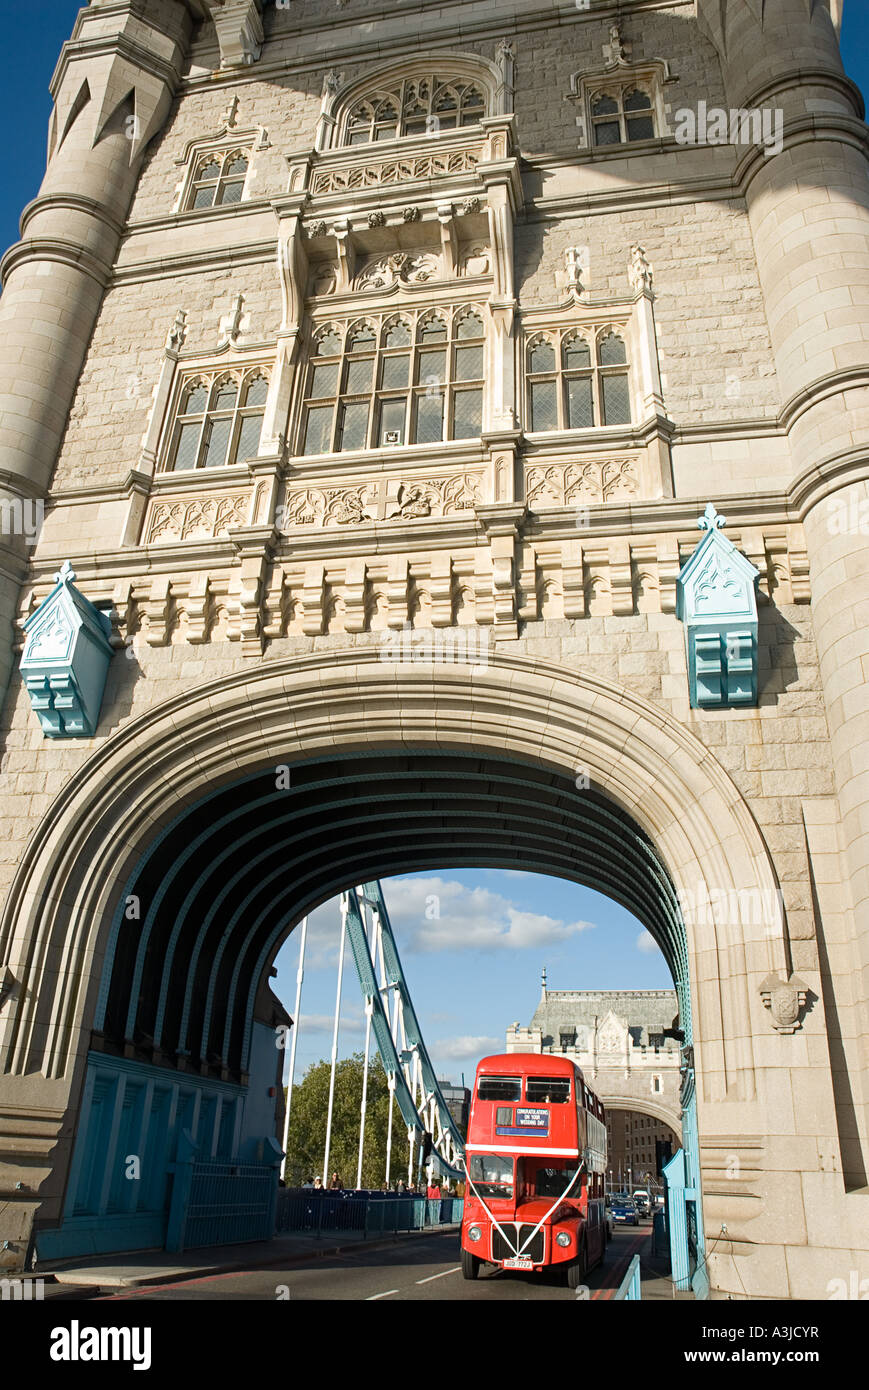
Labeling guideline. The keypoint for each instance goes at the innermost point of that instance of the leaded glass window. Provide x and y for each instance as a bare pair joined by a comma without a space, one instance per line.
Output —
219,420
621,115
219,179
393,380
575,382
416,106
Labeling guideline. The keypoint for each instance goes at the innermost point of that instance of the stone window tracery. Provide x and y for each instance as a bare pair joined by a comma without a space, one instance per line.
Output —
415,105
218,420
219,179
621,113
577,380
394,379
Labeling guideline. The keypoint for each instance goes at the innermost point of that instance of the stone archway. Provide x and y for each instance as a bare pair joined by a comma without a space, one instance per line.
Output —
57,924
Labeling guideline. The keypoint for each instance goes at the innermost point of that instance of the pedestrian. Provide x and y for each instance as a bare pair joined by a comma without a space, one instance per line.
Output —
318,1183
335,1184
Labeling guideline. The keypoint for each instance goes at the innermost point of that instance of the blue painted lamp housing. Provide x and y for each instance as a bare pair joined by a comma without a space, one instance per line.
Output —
66,659
716,599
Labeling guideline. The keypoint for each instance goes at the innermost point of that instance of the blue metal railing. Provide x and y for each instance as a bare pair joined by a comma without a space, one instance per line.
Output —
629,1288
372,1213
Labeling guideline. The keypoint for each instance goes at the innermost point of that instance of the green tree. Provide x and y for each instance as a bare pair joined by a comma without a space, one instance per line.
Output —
308,1125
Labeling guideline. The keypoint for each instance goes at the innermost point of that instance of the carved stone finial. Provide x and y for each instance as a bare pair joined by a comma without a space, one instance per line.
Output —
785,1000
618,47
505,49
331,82
230,115
576,258
230,324
639,270
177,333
66,573
711,519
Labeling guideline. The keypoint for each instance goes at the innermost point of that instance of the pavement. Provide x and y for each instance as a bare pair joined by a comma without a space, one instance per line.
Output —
158,1267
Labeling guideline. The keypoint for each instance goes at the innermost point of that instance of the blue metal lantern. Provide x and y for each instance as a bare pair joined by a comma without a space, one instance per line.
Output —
66,660
716,599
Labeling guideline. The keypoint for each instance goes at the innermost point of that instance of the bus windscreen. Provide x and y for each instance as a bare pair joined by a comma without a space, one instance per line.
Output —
492,1175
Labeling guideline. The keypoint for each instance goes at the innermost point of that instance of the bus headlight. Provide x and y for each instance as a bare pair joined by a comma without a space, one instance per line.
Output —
562,1238
474,1233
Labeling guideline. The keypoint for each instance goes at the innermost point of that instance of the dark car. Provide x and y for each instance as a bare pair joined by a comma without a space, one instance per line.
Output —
623,1210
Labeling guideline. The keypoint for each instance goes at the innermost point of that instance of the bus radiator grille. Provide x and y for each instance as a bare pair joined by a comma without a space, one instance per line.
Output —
533,1250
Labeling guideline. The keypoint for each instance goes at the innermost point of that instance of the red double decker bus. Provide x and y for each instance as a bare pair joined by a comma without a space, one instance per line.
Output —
535,1159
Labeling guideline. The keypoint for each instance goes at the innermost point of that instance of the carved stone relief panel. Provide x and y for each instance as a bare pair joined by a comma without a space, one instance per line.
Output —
563,485
384,499
192,518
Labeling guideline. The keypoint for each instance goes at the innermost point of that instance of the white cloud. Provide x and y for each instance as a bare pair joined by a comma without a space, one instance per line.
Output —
647,944
438,914
466,1048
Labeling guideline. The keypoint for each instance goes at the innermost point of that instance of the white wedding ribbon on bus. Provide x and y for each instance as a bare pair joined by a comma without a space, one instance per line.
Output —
543,1218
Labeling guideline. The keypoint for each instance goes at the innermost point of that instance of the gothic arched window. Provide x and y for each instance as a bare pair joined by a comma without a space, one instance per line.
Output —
423,105
575,382
400,379
219,419
621,115
219,179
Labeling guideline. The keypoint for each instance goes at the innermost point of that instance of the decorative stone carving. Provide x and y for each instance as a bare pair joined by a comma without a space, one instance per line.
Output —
577,262
317,228
377,219
400,267
563,485
477,260
384,500
470,206
323,279
424,166
231,324
639,270
411,214
786,1000
617,47
177,333
186,519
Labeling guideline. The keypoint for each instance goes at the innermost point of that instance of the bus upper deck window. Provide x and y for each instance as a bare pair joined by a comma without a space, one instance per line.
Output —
547,1090
499,1088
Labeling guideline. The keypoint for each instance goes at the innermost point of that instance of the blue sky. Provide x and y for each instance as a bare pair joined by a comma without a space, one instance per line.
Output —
37,31
475,968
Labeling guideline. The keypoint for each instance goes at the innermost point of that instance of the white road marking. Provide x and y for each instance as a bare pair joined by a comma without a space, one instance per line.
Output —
374,1296
439,1276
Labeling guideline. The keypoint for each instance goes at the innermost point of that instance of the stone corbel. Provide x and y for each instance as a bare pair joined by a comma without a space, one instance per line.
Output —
449,239
254,546
312,599
239,31
501,525
355,584
345,254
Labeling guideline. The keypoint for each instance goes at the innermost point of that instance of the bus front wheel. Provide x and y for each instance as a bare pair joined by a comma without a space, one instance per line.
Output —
576,1270
470,1265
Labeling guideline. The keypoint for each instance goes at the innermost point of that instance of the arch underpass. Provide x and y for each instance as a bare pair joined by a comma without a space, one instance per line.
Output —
144,920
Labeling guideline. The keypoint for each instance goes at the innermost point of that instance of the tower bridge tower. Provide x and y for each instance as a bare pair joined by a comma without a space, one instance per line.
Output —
373,380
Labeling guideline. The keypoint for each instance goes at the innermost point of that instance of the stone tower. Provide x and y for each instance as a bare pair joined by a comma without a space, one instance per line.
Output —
373,371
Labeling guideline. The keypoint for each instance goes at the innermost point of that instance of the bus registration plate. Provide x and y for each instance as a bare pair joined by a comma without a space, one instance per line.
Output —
518,1262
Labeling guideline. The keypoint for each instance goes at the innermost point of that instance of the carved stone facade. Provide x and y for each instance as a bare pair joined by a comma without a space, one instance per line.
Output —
254,518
